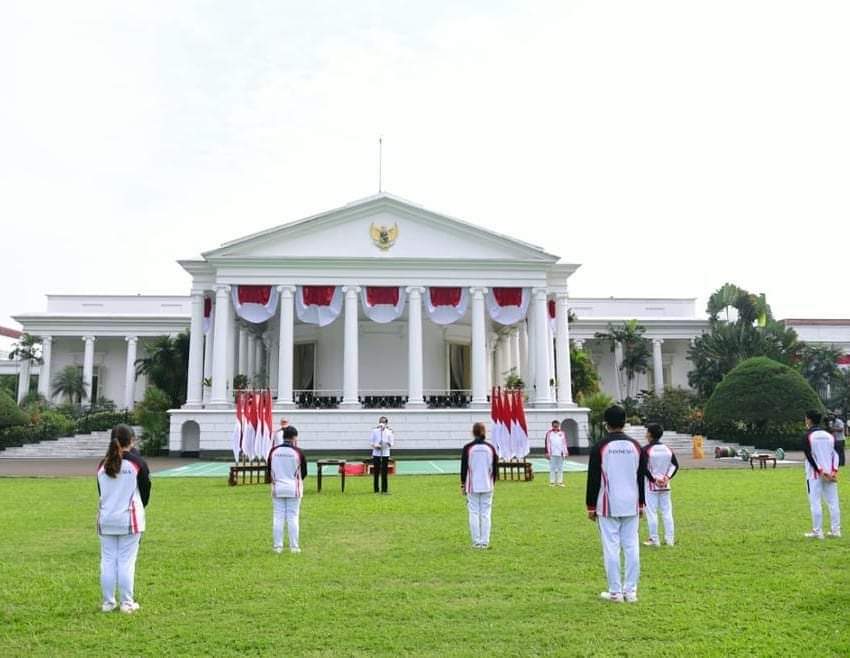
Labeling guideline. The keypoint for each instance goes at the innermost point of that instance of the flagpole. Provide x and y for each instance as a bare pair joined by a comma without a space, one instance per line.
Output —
380,163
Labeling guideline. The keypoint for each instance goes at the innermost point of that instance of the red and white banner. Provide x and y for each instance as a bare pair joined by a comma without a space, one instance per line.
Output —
239,428
553,319
446,305
252,433
319,305
498,433
208,315
383,304
255,304
519,427
508,305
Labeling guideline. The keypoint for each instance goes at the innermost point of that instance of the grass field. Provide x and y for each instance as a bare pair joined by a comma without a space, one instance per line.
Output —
395,576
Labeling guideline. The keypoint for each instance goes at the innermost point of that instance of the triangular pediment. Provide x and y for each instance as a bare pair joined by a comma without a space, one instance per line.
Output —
382,226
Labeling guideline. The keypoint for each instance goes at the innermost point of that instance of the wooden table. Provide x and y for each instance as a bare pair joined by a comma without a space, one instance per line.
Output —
339,463
762,460
523,470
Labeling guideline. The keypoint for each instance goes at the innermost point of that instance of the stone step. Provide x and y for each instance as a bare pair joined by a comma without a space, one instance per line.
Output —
79,446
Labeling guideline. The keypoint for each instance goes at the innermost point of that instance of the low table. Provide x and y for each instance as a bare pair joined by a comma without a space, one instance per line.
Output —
339,463
762,460
523,470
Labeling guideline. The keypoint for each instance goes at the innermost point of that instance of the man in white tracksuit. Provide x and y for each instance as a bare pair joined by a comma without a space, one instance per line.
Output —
556,450
821,476
479,464
381,439
661,466
615,499
287,468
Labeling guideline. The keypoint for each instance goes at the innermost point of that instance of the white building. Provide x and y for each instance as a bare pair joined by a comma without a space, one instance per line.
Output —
404,308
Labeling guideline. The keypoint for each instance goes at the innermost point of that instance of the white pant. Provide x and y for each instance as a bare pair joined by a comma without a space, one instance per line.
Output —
620,532
118,566
480,506
656,500
285,510
556,469
818,489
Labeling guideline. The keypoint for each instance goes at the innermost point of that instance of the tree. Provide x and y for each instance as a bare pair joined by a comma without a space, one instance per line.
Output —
741,326
28,348
819,365
68,382
166,363
760,400
597,403
637,350
584,376
11,414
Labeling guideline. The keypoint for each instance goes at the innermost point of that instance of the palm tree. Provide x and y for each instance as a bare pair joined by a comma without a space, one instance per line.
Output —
819,365
28,348
69,382
166,363
637,350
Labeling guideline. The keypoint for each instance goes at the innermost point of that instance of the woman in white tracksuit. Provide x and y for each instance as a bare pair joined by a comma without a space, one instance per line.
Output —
479,465
287,468
123,482
556,451
661,466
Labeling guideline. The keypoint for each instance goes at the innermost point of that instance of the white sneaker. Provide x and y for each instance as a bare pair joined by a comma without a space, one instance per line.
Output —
108,606
278,549
295,550
813,535
669,542
835,534
129,607
561,484
613,597
651,542
630,597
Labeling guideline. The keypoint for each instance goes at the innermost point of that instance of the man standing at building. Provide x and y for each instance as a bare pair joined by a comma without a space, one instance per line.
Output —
615,500
821,476
381,440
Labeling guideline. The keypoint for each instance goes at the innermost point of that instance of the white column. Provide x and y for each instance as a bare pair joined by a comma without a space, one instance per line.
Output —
23,379
208,363
562,339
44,371
351,356
507,353
618,359
259,358
415,355
657,366
531,376
88,366
251,356
543,397
130,368
523,351
220,351
479,349
194,383
515,360
286,347
242,359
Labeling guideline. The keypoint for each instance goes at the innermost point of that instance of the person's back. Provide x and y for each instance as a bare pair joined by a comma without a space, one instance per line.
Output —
821,476
480,459
285,466
820,453
659,460
122,500
617,493
479,465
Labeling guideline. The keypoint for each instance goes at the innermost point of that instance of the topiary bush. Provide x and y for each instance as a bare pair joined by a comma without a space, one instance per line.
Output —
11,415
761,402
152,415
672,409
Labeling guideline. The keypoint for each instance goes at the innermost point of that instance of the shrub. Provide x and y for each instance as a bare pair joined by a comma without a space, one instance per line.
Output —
152,415
100,421
597,403
34,401
761,402
10,414
672,409
45,425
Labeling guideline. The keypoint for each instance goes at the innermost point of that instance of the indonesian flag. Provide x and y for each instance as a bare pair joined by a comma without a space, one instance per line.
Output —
236,434
208,315
509,423
495,423
318,305
508,306
383,304
521,438
255,304
446,305
250,433
267,422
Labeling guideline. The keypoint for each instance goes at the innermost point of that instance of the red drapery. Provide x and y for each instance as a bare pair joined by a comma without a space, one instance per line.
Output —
552,309
445,296
207,307
255,294
318,295
508,296
381,295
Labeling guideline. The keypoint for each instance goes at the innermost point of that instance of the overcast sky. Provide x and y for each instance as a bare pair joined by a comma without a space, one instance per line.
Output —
669,147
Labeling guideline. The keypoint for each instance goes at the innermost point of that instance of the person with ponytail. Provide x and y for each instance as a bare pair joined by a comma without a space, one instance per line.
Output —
124,485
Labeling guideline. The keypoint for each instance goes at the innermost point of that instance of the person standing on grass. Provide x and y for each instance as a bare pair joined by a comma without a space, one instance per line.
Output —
821,476
837,429
124,487
661,466
479,464
615,500
286,469
556,451
381,440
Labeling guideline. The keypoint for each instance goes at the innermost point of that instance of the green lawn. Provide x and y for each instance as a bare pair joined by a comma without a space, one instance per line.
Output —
394,575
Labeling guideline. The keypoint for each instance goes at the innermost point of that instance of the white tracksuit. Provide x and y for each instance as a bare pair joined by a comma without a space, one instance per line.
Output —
660,462
821,459
615,492
287,469
479,465
120,524
556,450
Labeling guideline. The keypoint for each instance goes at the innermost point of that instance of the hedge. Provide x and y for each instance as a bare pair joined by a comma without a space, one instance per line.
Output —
101,421
11,414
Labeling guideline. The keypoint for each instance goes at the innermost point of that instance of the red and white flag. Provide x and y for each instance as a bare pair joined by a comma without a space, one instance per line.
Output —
508,306
255,304
496,423
250,432
383,304
319,305
446,305
521,438
236,434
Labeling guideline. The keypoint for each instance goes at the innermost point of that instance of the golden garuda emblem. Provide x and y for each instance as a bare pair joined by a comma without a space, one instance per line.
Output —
384,237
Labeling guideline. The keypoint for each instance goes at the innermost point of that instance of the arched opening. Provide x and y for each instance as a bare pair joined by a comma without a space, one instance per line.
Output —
190,439
570,428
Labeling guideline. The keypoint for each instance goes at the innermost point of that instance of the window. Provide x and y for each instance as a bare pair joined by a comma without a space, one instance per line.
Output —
459,367
304,367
